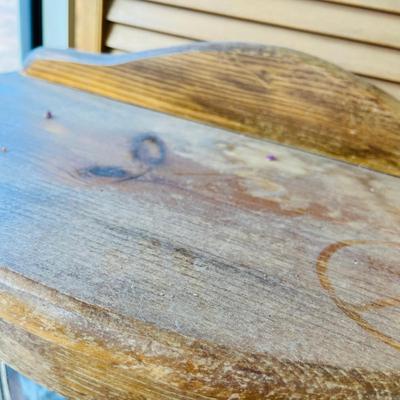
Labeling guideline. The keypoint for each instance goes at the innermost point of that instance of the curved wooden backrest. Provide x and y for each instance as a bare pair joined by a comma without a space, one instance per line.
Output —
268,92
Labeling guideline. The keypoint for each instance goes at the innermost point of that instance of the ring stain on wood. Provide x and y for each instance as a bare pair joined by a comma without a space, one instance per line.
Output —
149,149
351,310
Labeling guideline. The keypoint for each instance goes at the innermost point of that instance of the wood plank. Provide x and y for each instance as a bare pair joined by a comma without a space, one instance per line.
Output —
308,15
267,92
87,25
368,60
383,5
389,87
145,256
132,39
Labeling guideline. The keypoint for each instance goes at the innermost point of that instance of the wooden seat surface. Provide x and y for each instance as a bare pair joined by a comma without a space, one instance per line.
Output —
146,256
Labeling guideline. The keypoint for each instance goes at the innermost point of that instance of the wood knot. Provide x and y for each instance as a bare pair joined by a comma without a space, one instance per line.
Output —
111,172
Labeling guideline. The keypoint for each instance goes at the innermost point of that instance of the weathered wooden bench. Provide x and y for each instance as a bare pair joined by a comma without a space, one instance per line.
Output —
252,254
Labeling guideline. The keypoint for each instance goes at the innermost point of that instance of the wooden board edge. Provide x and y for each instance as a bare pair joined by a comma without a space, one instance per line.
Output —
85,351
351,140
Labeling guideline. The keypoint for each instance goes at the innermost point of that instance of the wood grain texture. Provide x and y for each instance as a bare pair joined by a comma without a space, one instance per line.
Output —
142,40
362,58
266,92
149,257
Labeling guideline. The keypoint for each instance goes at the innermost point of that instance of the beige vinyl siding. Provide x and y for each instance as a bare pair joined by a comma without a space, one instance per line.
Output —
307,15
130,39
360,39
383,5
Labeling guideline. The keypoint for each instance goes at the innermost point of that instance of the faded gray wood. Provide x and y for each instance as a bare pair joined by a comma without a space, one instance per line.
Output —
194,232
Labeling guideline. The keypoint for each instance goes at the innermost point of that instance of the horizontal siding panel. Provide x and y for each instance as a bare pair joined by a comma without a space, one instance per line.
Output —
365,59
383,5
308,15
131,39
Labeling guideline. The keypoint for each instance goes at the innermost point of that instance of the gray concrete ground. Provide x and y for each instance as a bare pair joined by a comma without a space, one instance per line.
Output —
9,41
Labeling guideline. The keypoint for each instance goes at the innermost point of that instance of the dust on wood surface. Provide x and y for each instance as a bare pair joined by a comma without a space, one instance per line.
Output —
267,92
148,257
